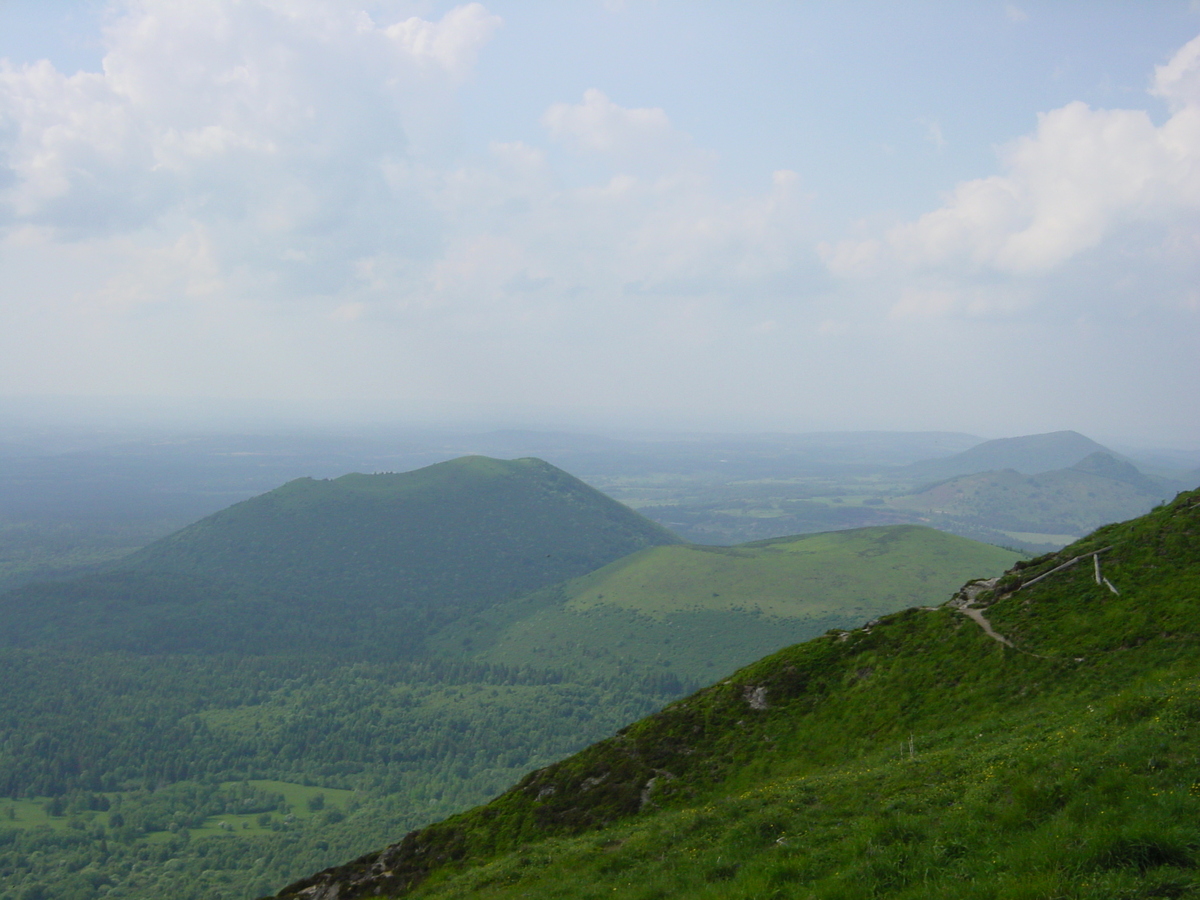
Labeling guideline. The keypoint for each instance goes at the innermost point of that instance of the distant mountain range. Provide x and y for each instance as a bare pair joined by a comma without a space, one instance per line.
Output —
72,504
1003,492
1043,510
1029,455
1067,502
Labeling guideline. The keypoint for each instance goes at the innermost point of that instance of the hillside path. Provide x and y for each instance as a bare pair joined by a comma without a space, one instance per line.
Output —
976,615
963,601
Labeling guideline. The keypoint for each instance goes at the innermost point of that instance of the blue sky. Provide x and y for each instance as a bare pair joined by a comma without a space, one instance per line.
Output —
783,216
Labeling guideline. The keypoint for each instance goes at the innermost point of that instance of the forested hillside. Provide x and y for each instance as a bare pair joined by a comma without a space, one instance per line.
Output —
191,777
368,564
469,531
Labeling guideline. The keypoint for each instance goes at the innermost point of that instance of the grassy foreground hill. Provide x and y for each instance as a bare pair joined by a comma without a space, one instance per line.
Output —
924,756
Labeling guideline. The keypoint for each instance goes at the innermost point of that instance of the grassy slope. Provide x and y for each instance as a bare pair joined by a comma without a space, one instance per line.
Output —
700,611
918,758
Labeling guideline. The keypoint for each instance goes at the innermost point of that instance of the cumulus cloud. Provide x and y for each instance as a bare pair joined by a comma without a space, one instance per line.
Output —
276,129
286,132
1178,82
527,249
658,225
1085,177
451,43
214,107
280,168
600,126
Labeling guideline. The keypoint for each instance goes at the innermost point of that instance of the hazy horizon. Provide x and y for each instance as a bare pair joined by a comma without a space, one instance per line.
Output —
111,422
604,217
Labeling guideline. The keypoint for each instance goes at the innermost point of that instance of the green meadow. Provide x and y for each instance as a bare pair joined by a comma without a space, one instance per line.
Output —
697,611
292,803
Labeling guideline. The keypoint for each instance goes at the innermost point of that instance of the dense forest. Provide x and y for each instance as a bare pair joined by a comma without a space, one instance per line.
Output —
111,765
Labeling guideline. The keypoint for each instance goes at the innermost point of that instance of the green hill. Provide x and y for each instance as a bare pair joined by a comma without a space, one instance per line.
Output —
924,756
1028,454
698,611
470,530
1052,507
362,562
1108,466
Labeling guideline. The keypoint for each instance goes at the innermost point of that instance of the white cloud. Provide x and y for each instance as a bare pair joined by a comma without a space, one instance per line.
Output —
185,268
265,166
918,300
639,138
451,43
525,249
270,198
1085,177
1178,82
282,132
217,107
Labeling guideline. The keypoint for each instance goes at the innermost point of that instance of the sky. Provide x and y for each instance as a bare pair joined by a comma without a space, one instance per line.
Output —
979,217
